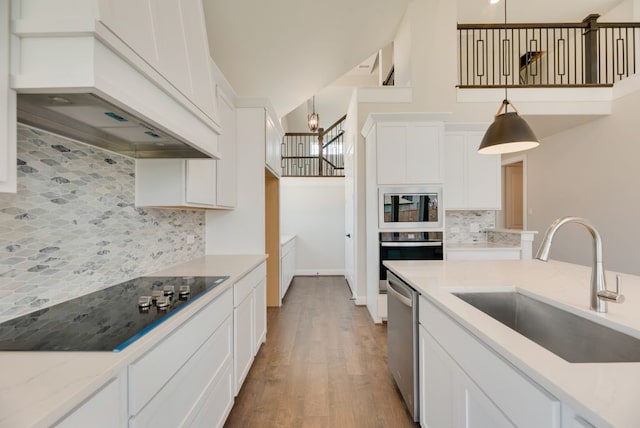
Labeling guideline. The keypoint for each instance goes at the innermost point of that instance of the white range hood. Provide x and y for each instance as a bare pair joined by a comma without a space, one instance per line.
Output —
76,78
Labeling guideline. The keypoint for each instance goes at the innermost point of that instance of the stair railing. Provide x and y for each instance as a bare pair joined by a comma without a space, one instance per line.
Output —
314,154
589,53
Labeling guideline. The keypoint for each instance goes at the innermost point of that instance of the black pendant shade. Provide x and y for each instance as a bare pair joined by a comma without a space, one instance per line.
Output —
507,134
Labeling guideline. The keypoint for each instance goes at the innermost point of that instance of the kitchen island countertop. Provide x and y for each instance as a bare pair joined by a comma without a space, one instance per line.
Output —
606,394
39,388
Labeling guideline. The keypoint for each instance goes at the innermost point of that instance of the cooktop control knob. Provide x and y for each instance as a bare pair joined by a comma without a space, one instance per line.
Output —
162,304
156,294
184,291
144,303
169,290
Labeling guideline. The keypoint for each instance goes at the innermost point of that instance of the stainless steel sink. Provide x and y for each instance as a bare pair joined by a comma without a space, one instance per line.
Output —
573,338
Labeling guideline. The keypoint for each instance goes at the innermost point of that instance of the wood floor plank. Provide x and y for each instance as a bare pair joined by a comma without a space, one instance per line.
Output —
324,365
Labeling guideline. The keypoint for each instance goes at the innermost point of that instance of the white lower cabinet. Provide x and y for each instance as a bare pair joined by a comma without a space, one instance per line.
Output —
249,321
287,266
260,313
170,384
182,398
449,397
465,384
489,254
243,319
107,408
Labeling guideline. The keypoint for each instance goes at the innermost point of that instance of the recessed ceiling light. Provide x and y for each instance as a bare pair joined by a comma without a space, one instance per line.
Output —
494,1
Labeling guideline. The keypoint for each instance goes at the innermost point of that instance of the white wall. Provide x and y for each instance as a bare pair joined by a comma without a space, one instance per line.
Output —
242,230
402,54
590,171
313,210
331,104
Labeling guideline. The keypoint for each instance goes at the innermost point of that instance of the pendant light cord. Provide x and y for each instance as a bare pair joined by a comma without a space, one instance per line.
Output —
506,98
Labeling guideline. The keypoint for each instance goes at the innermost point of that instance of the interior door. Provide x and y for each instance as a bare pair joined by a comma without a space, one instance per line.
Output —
514,218
349,212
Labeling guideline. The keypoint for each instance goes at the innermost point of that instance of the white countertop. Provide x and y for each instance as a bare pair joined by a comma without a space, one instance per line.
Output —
286,238
606,394
38,388
480,246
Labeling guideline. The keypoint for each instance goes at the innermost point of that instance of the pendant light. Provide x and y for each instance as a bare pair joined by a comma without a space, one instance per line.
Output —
313,120
509,132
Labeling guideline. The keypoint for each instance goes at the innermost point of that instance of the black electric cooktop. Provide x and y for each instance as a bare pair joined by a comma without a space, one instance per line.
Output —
105,320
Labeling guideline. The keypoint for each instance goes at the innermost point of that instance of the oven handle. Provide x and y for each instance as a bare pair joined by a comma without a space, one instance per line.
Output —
402,298
411,244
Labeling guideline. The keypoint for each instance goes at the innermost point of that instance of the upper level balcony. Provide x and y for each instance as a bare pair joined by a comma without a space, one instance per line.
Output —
574,69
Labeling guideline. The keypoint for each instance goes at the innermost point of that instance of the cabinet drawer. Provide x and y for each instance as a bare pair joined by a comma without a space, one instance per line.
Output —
531,406
149,373
182,396
217,402
246,284
106,408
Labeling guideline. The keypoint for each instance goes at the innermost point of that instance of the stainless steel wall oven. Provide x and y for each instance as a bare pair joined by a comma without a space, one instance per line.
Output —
408,246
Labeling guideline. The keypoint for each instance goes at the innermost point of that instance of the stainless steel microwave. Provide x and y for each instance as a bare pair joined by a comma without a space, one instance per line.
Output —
416,208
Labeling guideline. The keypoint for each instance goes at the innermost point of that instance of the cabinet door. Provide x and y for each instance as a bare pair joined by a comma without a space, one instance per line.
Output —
454,182
273,147
436,384
201,181
391,153
260,311
132,21
483,176
226,167
449,398
423,163
243,324
472,180
8,175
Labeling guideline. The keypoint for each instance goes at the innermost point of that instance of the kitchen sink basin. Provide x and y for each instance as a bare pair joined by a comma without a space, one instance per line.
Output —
571,337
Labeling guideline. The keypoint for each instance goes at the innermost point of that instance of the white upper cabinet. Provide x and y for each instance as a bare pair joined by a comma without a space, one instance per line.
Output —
472,180
273,146
409,152
193,183
8,177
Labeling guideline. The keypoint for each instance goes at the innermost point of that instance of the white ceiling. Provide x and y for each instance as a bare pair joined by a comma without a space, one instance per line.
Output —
288,50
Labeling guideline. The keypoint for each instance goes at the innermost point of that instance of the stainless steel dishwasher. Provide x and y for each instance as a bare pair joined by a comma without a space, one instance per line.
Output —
402,340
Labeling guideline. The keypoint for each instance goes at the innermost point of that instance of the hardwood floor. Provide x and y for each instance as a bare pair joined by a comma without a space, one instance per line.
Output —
324,365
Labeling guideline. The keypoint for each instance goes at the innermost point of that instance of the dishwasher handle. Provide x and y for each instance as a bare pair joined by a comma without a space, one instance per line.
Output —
401,297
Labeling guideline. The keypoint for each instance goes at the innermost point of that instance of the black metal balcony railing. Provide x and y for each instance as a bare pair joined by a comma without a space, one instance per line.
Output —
318,154
589,53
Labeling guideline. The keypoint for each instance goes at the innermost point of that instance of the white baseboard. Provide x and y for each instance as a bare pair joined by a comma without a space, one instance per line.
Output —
319,272
360,300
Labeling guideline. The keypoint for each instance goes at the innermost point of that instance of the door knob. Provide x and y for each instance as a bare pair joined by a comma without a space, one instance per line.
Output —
348,235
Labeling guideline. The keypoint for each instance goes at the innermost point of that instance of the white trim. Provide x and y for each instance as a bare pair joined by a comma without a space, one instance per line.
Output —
319,272
360,300
385,94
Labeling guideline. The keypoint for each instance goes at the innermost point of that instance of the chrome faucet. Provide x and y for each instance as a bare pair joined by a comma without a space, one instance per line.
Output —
599,293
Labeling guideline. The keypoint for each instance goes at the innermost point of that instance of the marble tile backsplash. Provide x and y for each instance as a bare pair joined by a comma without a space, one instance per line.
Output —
72,228
458,225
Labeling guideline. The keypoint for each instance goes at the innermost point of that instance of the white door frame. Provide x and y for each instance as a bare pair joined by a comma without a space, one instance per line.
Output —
509,161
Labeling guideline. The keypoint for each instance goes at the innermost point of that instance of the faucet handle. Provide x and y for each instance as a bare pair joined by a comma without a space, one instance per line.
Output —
611,296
